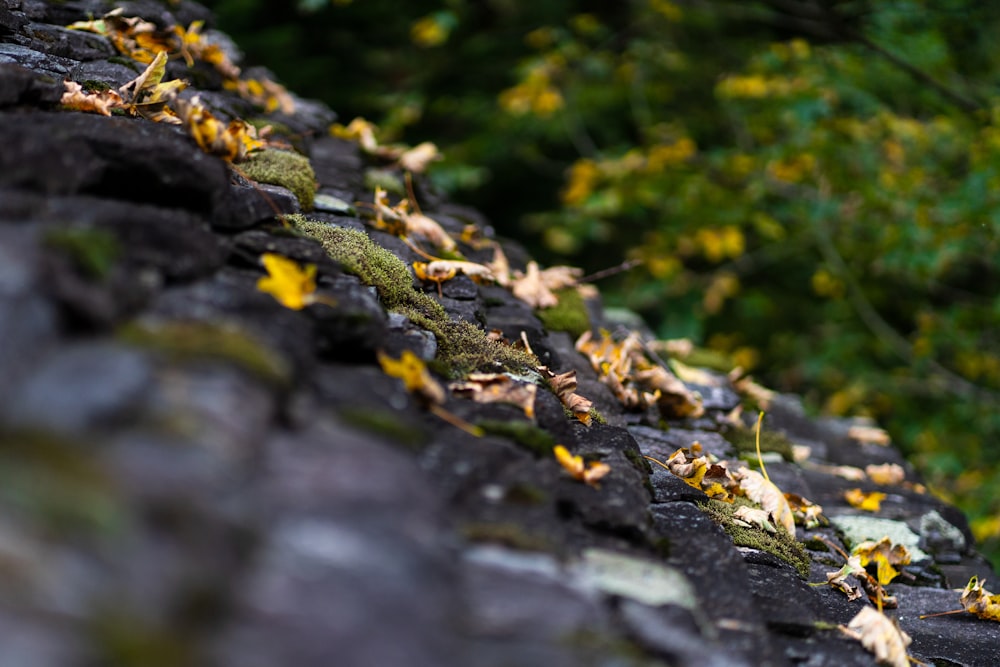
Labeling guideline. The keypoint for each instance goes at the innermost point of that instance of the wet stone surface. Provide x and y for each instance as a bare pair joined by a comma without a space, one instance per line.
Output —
192,473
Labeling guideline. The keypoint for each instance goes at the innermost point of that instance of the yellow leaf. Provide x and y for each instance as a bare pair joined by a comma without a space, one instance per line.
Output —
979,601
808,513
574,465
293,286
885,555
869,501
413,372
879,635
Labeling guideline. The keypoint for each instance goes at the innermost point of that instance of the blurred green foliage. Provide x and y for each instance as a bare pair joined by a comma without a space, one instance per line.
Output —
813,187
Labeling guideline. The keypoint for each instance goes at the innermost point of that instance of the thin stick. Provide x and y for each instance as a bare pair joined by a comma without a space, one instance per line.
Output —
942,613
614,270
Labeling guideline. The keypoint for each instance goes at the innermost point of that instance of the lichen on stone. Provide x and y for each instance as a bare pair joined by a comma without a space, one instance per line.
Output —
525,433
285,168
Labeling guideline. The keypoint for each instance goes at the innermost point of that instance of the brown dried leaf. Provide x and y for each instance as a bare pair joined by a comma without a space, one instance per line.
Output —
887,474
498,388
102,102
879,635
870,435
528,287
838,579
979,601
419,157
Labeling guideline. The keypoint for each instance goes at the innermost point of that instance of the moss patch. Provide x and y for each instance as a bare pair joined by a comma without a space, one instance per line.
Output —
284,168
185,341
780,544
524,433
744,440
462,347
569,315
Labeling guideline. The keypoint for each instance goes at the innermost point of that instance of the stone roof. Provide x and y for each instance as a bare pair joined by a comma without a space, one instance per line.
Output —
192,473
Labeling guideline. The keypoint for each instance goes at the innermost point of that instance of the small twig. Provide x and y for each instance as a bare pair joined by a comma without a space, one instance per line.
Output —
627,265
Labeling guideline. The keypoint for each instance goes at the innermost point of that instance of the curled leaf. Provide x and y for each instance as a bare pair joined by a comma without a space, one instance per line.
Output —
879,635
838,579
564,386
807,513
498,388
979,601
77,99
589,473
753,517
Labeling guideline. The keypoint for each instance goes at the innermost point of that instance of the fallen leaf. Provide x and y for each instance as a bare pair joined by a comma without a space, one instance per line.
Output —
441,270
868,501
589,473
807,513
416,378
498,388
231,142
287,282
746,387
885,555
886,474
528,287
870,435
419,157
77,99
879,635
564,386
701,472
838,579
764,492
752,517
979,601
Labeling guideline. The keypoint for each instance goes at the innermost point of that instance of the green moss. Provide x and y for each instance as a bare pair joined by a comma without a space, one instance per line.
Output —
744,440
286,169
94,251
507,534
701,357
780,544
569,315
95,86
462,347
524,433
383,422
185,341
127,62
638,461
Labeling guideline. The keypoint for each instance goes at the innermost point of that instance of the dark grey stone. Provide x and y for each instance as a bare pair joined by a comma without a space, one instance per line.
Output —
19,85
81,387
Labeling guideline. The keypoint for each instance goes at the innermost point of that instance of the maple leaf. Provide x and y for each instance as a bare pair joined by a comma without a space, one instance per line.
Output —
764,492
498,388
885,555
287,282
869,501
589,473
101,102
879,635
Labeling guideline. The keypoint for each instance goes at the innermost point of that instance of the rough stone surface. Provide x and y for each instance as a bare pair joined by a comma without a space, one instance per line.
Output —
192,473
